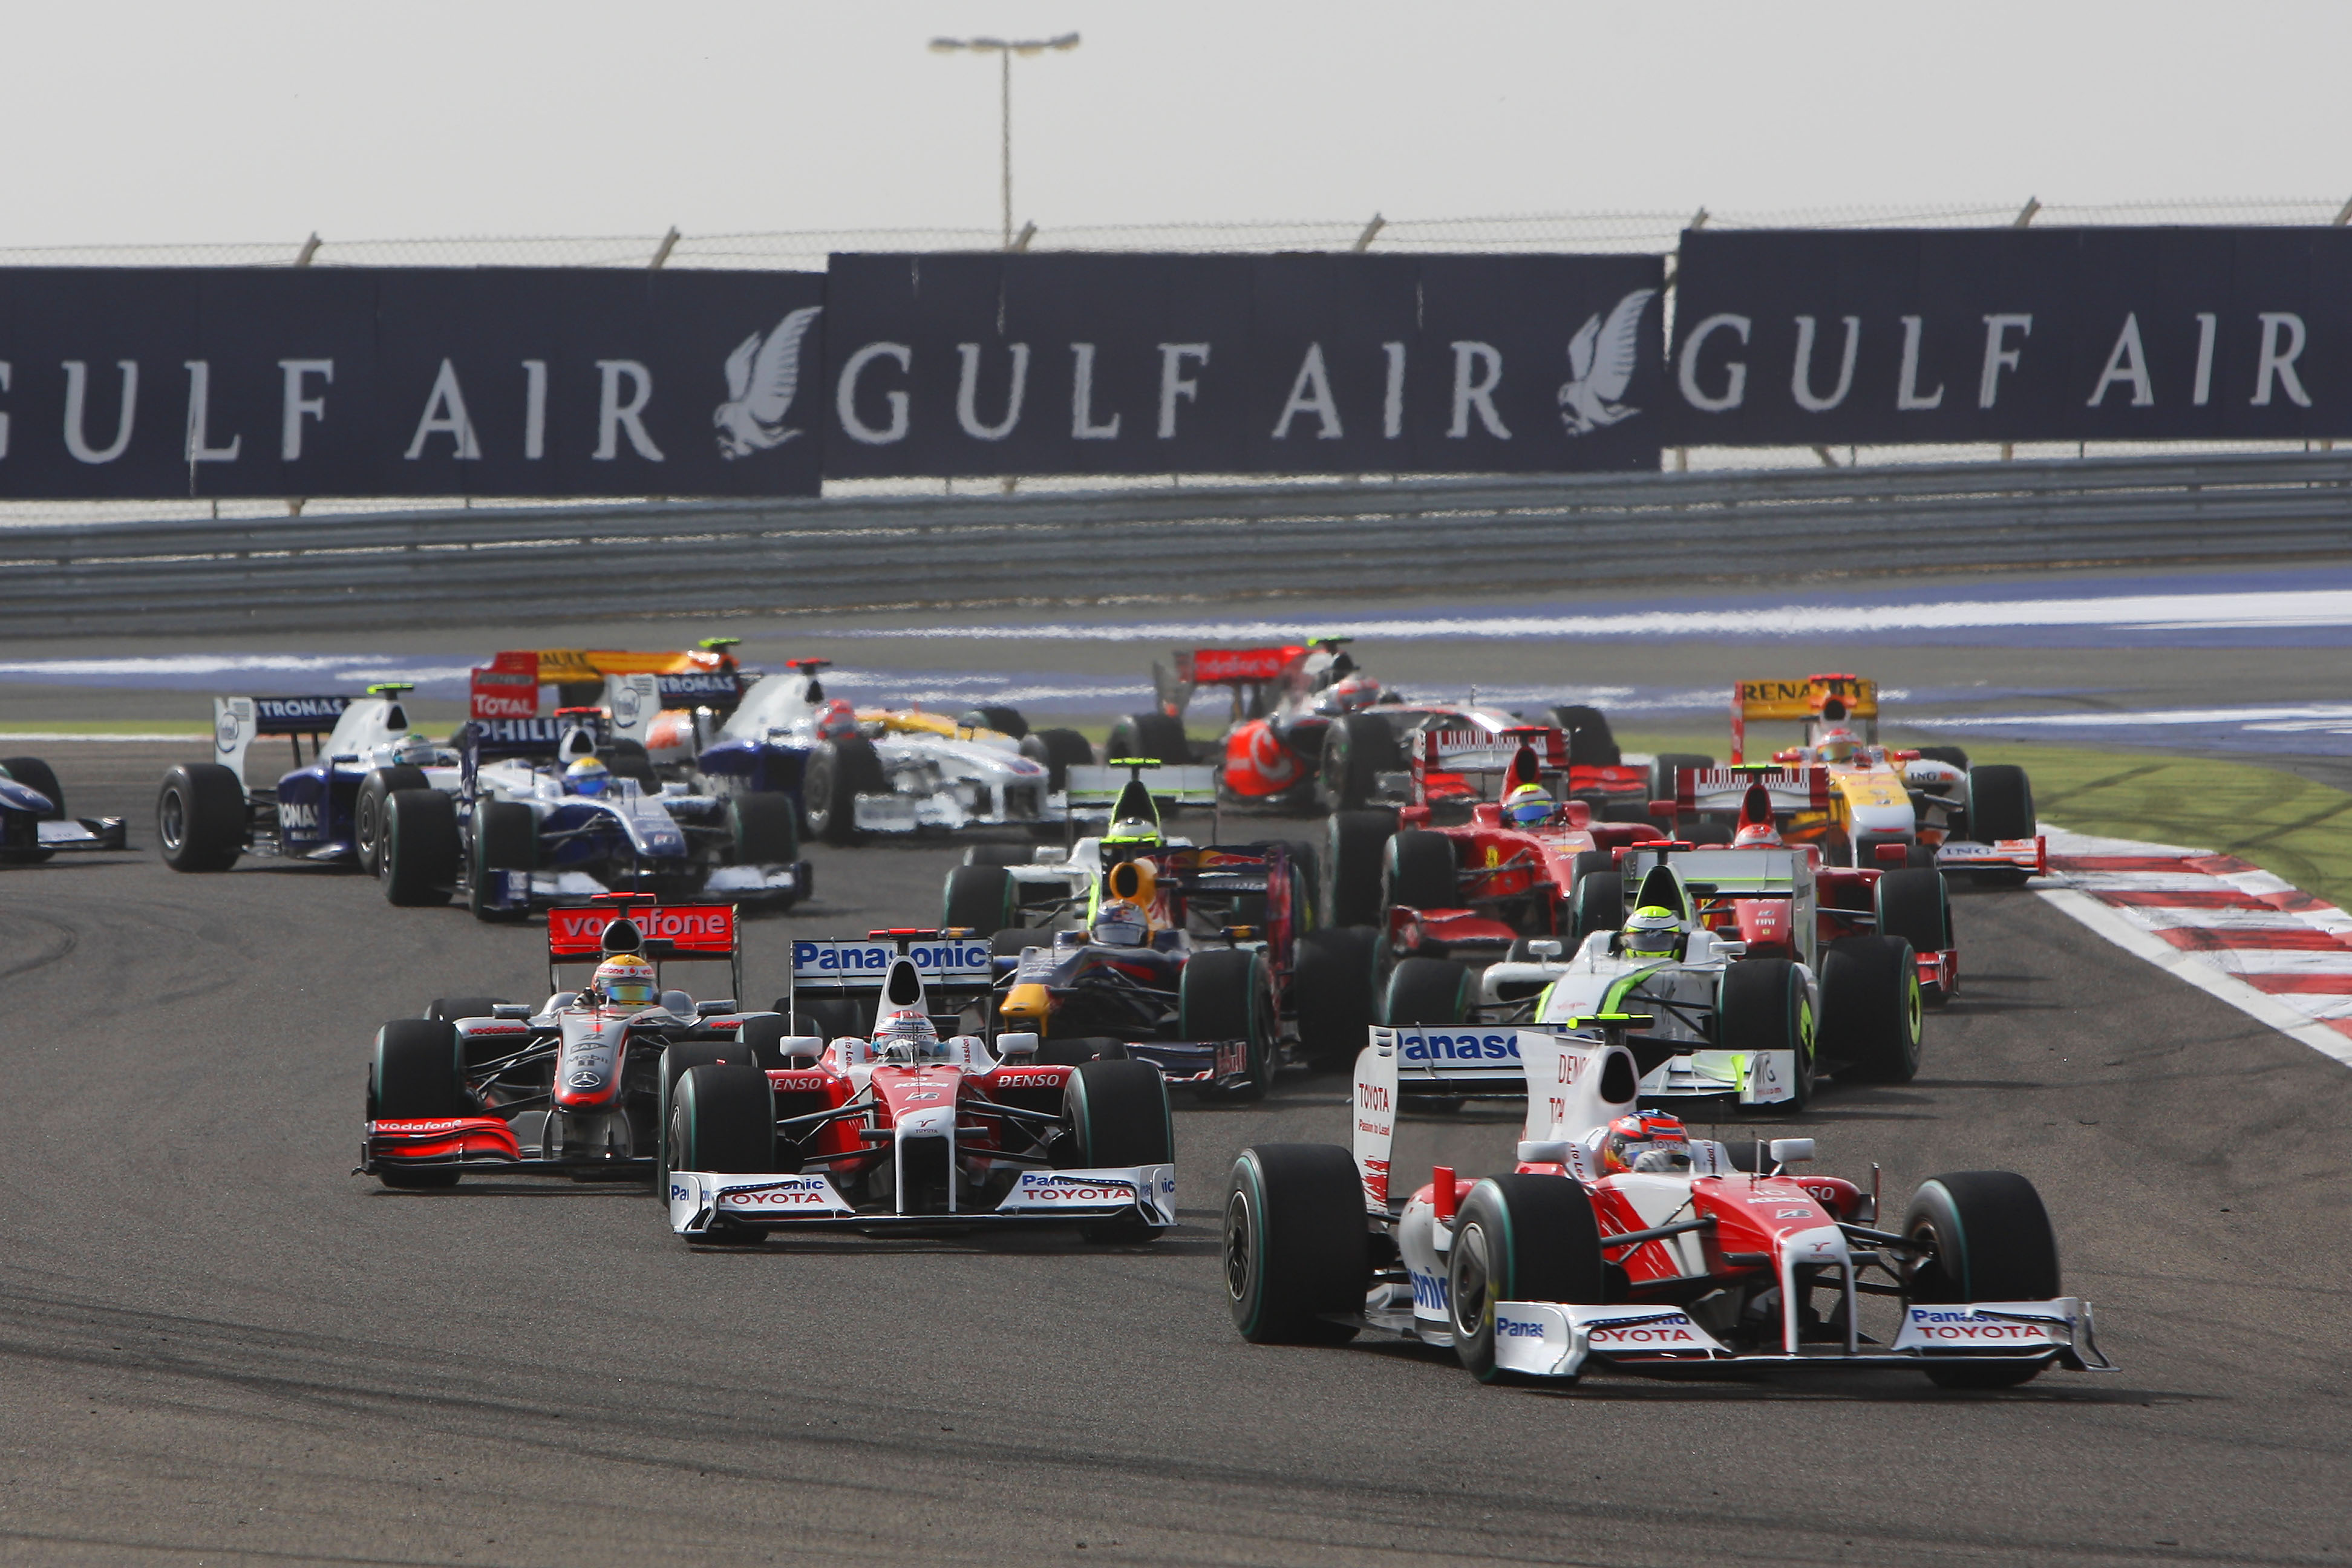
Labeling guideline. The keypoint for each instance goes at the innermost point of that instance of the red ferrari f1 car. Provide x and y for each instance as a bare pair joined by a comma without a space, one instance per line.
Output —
1619,1242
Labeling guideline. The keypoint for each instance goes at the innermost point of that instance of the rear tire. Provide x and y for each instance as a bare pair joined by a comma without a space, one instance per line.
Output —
1590,743
1993,1243
1433,992
983,897
1764,1007
367,811
1418,872
199,819
1355,848
37,775
1951,756
506,838
1357,749
1296,1245
1059,750
2001,802
1333,992
1003,720
420,848
1871,1008
764,829
629,760
1226,994
1151,737
1518,1239
840,772
1598,903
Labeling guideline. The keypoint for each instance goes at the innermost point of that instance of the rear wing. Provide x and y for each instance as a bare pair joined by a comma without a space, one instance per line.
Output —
1790,790
237,721
508,687
1247,670
488,740
955,969
1836,698
666,933
1095,786
1510,757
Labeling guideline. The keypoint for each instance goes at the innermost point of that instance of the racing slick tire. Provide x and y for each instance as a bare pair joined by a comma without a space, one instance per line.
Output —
1598,903
1417,871
419,864
1012,941
38,776
1426,991
1227,993
1590,743
1763,1006
1059,750
418,1073
2001,802
1357,749
1518,1239
840,772
1950,756
764,829
1355,847
200,820
1118,1114
1870,1009
626,759
1295,1247
722,1119
1155,737
367,810
1993,1242
1666,764
829,1018
985,899
1333,992
675,1061
1916,904
506,838
994,716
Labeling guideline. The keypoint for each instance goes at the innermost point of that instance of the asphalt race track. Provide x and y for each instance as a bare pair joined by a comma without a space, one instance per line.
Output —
220,1347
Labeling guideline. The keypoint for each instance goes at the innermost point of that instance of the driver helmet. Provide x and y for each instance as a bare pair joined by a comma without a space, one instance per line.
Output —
907,1040
1652,932
1120,922
587,777
1837,745
1354,694
1645,1140
412,749
1755,835
836,721
624,980
1528,806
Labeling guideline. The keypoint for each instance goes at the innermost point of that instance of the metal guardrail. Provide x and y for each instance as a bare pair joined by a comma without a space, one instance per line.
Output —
942,554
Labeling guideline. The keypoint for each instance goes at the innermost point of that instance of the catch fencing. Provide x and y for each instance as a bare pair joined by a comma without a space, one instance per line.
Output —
939,555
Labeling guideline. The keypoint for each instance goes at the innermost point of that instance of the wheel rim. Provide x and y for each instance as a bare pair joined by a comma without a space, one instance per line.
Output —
1472,1273
172,823
816,796
1240,1262
363,825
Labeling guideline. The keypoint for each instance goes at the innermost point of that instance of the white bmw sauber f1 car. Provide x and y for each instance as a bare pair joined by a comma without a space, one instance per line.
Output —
1688,1260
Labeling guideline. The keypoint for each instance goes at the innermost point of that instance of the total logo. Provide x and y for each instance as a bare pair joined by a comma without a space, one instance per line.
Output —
1674,1330
1418,1045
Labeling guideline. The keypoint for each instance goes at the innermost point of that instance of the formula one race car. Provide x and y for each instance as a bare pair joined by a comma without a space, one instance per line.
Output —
894,1127
576,1086
1734,987
1620,1242
1449,875
1200,958
662,707
538,818
33,821
854,772
329,810
1926,807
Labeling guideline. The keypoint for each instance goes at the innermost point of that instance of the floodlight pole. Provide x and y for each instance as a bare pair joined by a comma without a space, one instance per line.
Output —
1005,49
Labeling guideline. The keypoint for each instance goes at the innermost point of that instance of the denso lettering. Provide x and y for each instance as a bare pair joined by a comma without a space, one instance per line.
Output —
1029,1080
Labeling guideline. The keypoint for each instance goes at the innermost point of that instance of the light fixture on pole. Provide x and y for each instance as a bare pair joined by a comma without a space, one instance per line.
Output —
1005,49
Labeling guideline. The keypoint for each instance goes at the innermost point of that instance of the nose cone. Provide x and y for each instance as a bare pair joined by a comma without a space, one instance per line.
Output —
927,1121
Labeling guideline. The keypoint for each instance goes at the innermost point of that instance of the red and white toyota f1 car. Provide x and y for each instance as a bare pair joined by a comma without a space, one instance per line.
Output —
904,1124
569,1087
1683,1261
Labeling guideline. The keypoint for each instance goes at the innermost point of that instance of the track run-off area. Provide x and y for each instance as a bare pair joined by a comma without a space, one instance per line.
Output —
219,1346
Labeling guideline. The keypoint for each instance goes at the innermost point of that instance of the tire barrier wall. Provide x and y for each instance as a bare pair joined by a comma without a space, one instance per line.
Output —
940,554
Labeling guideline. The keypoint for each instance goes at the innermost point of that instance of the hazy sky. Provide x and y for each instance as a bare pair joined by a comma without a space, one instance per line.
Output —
260,120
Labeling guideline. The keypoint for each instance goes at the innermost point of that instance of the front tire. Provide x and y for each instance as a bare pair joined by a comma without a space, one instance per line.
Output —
1227,993
763,830
2001,802
1149,737
1432,992
200,819
982,898
1355,846
1296,1244
417,1074
1518,1239
420,848
506,838
1357,749
1418,872
1059,750
1334,991
1763,1006
1993,1242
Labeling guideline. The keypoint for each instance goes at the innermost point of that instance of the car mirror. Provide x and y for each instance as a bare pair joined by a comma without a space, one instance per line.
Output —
799,1047
1544,947
1021,1043
1543,1151
510,1010
1791,1150
722,1004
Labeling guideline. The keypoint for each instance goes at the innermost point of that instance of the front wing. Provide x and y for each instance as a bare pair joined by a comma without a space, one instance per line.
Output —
2031,856
82,833
469,1142
1754,1078
698,1199
1545,1339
